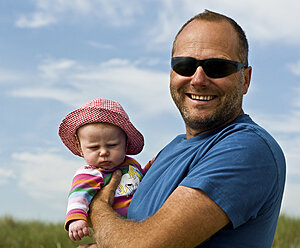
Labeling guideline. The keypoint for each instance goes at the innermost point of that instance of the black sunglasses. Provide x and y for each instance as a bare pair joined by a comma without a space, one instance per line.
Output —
214,68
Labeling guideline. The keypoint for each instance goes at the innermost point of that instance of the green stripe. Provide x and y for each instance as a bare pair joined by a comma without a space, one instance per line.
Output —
90,191
107,178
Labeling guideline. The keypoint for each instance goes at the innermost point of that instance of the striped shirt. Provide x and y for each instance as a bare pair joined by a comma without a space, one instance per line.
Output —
88,180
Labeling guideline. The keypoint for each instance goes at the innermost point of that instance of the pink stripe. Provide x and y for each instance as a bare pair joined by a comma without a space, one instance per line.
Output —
76,211
79,200
86,177
83,186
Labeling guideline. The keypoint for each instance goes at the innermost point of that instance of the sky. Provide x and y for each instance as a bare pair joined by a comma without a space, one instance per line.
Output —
56,55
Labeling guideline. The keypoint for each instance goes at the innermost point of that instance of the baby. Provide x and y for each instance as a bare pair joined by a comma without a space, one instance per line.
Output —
103,135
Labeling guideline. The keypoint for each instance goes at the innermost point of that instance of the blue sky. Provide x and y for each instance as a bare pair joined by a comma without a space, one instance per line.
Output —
55,55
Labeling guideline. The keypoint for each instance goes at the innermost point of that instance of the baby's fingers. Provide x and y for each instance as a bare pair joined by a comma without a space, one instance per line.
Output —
86,231
74,236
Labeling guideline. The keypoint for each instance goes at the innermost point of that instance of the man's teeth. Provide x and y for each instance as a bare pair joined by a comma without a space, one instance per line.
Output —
202,98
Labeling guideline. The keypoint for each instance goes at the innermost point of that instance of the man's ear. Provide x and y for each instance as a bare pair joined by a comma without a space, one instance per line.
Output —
247,79
78,146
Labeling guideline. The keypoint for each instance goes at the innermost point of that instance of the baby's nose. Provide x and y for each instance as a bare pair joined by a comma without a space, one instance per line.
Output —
103,153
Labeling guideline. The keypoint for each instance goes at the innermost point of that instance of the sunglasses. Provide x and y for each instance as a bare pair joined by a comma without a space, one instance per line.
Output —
214,68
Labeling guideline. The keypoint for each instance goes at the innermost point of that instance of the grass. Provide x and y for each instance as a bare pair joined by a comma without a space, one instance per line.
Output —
35,234
287,233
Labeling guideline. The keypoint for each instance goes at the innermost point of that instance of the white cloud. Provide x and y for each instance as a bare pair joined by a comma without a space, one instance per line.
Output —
277,123
7,76
53,70
260,21
276,23
295,68
6,175
263,21
114,79
35,20
56,6
45,175
116,13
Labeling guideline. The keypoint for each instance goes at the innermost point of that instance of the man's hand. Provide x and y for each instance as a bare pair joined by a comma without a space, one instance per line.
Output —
107,193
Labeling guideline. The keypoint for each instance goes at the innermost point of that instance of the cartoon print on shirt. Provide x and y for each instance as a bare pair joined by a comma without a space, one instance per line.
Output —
129,182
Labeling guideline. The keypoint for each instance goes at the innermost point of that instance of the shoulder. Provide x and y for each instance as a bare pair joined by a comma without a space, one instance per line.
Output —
250,136
247,147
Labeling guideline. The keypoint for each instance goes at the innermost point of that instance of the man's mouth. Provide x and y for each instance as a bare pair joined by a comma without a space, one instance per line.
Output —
200,98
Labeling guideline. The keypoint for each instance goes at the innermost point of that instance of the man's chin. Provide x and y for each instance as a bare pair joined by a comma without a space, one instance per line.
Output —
202,122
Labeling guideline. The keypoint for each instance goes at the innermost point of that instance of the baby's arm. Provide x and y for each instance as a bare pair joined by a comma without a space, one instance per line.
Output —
78,229
86,183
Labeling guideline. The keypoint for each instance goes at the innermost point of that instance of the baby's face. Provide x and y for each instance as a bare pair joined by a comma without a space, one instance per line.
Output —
102,145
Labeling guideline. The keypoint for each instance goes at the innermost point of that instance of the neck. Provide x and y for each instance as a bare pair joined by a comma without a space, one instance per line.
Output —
190,133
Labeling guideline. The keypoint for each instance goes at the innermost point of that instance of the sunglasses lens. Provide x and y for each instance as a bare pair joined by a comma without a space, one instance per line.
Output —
214,68
184,66
218,68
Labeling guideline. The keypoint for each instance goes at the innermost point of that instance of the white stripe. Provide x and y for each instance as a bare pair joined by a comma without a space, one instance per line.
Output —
88,171
77,205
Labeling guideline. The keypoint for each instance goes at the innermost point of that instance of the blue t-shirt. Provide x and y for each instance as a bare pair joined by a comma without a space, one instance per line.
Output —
239,166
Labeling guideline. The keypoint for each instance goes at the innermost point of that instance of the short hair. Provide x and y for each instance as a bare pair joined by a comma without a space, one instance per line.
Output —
211,16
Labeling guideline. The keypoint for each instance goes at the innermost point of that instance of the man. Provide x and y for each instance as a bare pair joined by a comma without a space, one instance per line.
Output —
220,184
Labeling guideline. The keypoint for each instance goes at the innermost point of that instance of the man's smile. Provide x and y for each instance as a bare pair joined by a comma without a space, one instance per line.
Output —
201,98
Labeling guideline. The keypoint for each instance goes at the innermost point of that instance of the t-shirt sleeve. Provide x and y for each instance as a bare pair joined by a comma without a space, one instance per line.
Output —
238,173
86,183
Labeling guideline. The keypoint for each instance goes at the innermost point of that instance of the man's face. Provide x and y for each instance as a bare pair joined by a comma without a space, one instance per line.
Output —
206,103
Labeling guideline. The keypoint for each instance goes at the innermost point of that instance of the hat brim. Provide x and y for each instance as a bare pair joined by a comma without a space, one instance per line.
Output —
80,117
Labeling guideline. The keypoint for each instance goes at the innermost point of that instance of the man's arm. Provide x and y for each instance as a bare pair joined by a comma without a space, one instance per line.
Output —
187,218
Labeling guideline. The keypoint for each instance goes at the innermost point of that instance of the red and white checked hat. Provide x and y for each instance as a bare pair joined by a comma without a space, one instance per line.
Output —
100,110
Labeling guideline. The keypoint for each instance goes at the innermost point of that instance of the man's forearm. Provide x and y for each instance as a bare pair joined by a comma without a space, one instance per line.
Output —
175,224
110,230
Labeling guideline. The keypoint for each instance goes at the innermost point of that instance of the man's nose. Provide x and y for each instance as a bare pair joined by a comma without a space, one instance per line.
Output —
200,78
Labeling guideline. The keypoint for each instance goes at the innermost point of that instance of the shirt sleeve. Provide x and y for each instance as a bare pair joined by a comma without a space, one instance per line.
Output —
86,183
239,173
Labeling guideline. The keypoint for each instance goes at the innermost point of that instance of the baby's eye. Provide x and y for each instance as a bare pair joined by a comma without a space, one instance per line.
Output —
112,145
93,147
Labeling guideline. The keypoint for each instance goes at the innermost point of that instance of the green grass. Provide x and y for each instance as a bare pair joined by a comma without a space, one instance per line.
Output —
287,233
36,234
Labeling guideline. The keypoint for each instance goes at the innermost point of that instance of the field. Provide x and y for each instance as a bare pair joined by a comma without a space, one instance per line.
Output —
35,234
288,233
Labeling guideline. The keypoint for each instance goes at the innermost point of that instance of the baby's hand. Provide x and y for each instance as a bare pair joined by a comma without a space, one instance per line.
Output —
78,229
